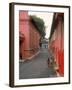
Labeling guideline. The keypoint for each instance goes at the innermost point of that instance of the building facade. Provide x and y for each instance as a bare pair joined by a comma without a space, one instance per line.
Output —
29,37
56,42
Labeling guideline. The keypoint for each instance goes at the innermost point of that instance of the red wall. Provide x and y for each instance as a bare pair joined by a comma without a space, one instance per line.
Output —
24,29
34,38
57,45
30,44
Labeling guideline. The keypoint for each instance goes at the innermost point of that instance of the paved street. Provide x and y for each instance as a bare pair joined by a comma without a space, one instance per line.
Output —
37,67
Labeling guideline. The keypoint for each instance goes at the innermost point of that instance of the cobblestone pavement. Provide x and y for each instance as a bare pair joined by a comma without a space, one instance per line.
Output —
37,67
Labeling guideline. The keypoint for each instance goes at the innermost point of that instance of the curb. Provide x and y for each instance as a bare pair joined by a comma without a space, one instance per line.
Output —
28,59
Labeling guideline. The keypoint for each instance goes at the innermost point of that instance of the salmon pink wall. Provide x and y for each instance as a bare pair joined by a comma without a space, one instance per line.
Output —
57,45
30,44
24,27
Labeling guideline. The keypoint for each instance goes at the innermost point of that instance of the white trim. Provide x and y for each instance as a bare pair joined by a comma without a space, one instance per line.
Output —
17,81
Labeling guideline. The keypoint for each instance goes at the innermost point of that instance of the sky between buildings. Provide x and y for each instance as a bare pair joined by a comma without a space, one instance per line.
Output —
47,17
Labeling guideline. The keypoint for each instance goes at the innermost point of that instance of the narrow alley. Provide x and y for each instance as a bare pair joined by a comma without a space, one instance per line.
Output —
37,67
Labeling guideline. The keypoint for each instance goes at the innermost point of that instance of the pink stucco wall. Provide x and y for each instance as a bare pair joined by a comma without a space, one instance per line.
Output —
30,43
57,45
24,29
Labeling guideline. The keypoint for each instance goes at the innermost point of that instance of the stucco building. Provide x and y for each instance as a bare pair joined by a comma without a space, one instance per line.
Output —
56,41
29,36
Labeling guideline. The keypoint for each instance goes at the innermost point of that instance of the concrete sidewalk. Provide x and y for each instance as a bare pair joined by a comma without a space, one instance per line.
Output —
37,67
